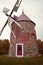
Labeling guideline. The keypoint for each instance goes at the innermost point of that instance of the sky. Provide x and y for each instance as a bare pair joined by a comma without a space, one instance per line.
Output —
32,8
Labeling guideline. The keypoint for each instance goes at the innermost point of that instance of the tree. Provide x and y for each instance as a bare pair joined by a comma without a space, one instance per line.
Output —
4,46
40,46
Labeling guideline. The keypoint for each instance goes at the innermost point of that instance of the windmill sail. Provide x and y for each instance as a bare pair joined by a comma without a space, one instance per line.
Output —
14,9
10,21
5,10
18,24
17,5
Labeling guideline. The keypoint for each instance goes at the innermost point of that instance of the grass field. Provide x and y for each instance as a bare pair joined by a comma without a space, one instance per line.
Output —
4,60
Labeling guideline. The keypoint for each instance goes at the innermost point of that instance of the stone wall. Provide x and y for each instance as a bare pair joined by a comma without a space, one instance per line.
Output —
27,36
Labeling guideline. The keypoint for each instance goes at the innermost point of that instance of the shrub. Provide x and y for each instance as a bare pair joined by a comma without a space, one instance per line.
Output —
4,46
40,46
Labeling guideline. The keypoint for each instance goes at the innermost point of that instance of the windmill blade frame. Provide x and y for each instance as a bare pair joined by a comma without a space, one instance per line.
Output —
10,15
5,10
11,20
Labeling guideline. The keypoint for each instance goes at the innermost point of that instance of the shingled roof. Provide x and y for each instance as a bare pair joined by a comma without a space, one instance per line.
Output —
23,17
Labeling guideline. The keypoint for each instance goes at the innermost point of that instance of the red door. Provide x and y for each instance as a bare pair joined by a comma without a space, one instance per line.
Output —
19,49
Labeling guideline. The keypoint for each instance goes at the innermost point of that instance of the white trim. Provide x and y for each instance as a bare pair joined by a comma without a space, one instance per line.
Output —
22,50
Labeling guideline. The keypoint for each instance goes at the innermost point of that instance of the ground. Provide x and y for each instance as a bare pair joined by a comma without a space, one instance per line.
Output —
5,60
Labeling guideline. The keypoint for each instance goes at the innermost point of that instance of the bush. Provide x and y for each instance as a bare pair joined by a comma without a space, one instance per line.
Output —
40,46
4,46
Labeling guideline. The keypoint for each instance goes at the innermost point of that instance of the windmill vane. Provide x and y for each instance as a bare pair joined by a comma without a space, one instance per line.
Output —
5,10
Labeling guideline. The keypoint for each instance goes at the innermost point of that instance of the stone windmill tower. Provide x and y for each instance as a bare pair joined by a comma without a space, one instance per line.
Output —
23,35
24,45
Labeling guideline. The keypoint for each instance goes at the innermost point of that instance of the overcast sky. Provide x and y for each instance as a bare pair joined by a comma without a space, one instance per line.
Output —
32,8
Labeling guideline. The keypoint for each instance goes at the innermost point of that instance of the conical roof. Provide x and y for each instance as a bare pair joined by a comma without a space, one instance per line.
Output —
23,17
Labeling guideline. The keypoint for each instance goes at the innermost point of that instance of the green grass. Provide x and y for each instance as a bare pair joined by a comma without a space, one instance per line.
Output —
4,60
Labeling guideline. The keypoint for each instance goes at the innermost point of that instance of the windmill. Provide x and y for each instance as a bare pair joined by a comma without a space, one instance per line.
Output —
5,10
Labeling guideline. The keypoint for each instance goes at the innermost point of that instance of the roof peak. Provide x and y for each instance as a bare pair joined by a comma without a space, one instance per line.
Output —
22,11
23,17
